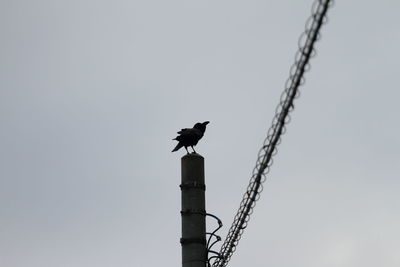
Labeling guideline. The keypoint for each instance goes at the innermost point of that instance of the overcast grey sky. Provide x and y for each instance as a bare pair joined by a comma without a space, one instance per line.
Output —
92,92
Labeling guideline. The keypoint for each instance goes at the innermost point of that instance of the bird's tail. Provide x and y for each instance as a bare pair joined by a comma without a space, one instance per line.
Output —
178,146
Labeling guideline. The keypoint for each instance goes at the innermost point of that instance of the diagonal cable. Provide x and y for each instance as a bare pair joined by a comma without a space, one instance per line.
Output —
281,118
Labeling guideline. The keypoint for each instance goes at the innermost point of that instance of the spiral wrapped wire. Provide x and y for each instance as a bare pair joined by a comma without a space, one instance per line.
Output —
269,148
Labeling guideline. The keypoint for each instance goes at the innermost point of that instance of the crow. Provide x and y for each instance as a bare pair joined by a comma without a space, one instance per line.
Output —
190,136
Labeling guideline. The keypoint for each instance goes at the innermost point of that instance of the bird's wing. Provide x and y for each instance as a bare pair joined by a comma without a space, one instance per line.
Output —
188,134
182,130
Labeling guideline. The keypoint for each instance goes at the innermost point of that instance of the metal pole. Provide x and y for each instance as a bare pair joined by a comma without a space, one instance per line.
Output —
193,211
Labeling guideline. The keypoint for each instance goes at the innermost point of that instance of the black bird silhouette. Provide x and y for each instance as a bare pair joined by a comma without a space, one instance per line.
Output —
190,136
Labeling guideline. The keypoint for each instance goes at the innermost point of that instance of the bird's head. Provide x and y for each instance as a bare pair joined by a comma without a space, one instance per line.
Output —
201,126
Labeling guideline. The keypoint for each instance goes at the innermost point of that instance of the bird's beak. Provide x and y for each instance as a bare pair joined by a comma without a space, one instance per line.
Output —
206,122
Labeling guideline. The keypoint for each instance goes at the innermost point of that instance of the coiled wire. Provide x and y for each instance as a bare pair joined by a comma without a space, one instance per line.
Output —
273,139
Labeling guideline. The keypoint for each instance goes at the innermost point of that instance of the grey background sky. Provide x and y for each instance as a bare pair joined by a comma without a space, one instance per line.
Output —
92,92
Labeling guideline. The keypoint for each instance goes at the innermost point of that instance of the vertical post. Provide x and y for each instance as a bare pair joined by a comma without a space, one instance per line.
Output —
193,211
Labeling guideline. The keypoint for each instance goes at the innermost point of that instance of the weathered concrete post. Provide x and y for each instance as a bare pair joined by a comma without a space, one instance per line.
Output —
193,211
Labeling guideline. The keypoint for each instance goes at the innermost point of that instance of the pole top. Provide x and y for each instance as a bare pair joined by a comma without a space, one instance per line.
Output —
192,156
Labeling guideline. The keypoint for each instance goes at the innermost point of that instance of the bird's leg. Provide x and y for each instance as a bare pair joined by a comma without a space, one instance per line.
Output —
187,149
194,151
